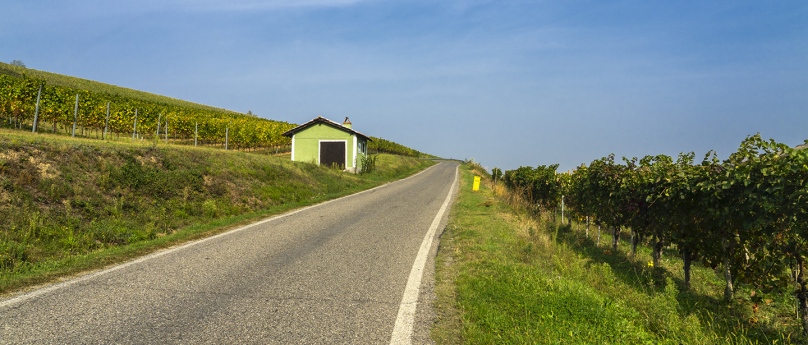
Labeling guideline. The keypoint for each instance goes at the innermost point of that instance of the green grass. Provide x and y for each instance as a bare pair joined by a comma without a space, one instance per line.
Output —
505,277
71,205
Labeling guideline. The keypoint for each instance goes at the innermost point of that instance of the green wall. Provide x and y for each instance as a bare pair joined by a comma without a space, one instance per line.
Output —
307,143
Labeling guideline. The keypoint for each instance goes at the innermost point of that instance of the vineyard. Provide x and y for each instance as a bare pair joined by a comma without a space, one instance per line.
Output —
48,102
98,87
745,216
379,145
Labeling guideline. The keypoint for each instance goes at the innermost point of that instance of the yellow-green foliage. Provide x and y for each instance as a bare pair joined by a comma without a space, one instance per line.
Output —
386,146
55,79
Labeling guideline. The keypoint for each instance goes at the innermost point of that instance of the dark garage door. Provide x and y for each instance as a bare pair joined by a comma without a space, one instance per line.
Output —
332,153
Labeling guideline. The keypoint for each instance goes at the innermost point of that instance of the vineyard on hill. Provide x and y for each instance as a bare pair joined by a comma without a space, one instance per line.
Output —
386,146
746,216
86,108
55,79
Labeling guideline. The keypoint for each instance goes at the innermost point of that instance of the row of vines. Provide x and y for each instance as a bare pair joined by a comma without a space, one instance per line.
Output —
380,145
55,79
59,107
94,112
746,216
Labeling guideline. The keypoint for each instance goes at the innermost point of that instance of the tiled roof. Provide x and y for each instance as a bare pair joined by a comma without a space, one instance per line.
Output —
321,119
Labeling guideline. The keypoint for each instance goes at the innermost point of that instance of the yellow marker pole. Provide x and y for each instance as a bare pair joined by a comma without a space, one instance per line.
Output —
476,183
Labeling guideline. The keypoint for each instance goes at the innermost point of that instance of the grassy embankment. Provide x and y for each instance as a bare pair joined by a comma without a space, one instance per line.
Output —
73,205
505,276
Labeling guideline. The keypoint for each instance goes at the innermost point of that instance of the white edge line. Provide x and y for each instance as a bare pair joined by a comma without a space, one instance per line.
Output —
402,331
41,291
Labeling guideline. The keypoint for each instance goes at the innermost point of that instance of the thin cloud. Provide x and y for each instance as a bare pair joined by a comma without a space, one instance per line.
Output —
84,9
250,5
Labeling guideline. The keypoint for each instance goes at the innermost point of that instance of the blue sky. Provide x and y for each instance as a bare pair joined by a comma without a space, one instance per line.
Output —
508,83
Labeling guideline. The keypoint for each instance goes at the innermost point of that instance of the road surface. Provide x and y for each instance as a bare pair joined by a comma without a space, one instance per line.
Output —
334,273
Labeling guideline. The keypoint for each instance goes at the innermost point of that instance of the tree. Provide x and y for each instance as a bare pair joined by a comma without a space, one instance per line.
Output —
496,174
17,63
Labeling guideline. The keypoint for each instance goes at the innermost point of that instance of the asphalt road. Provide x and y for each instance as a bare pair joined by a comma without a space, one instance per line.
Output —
334,273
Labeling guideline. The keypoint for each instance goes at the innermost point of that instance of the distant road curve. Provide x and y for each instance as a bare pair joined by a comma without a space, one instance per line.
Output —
333,273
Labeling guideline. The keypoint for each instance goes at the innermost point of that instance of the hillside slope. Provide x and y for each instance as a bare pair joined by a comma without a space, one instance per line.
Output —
99,87
72,204
71,104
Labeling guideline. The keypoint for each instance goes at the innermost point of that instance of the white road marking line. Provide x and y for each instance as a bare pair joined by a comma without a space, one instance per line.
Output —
41,291
402,332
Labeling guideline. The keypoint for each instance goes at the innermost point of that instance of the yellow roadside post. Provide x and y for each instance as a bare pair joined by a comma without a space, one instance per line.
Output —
476,183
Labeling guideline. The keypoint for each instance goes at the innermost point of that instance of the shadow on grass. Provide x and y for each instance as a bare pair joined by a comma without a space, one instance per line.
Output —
726,317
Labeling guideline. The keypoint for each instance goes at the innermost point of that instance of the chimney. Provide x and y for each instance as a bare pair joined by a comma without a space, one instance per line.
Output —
347,123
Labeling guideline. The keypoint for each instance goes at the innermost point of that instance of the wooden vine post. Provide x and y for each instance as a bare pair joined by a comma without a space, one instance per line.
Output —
157,133
106,123
36,112
75,115
134,127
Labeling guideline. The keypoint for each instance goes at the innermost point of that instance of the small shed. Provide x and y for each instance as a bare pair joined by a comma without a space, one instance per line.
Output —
326,142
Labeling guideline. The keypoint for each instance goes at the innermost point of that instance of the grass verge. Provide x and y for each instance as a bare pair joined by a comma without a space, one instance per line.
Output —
507,276
73,205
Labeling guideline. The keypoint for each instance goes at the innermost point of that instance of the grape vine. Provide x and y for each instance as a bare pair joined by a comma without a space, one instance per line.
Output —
747,214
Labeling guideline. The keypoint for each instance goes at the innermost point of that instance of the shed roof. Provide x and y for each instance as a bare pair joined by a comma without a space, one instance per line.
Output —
321,119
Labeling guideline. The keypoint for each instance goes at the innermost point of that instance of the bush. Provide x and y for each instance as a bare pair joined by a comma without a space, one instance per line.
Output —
368,164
